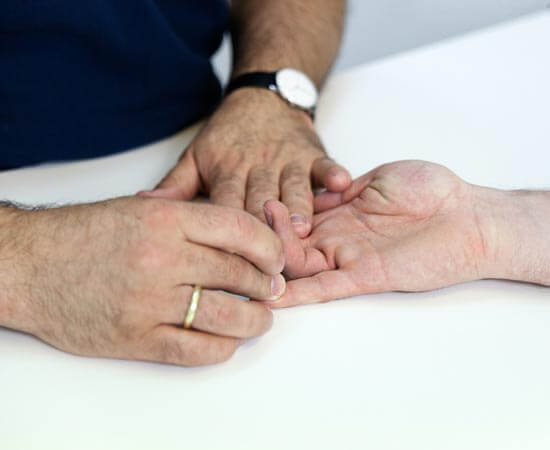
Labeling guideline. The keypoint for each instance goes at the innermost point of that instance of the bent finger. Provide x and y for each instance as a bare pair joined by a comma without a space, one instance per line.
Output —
216,269
262,185
297,195
300,259
328,200
234,231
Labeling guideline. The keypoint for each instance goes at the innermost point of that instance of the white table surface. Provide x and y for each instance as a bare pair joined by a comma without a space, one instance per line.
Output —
466,367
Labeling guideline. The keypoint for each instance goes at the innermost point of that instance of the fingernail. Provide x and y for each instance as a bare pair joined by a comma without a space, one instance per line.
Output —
298,219
268,216
278,286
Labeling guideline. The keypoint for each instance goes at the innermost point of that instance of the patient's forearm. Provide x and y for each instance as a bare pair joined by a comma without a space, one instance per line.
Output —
516,226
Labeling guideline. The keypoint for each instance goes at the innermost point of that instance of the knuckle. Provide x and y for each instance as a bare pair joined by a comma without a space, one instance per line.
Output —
225,190
261,173
148,248
260,190
227,186
158,214
147,256
262,182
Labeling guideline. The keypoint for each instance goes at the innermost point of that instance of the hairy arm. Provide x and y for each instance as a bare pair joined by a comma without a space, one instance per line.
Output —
517,229
271,34
12,305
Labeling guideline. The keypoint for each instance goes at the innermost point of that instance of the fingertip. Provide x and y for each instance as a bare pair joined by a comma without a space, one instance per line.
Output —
268,211
301,224
276,214
337,179
278,287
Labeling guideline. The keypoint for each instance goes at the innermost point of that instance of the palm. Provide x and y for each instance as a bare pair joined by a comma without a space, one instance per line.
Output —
406,226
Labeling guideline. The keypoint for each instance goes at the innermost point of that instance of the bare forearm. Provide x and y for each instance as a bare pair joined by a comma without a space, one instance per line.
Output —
271,34
518,234
12,305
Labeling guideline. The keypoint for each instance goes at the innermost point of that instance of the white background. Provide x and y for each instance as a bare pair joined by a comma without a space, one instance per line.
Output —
465,367
377,28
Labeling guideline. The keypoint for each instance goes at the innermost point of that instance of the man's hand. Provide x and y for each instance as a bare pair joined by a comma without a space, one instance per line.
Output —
115,278
413,226
256,148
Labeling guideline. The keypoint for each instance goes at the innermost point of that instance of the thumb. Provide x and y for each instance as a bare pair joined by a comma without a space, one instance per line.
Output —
181,183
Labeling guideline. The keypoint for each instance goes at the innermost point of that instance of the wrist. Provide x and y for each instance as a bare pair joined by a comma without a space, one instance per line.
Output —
515,226
264,102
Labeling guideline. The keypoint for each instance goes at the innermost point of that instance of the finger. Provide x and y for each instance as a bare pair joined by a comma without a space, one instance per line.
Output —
219,313
262,185
300,259
328,200
322,287
215,269
297,195
181,183
233,231
325,172
172,345
228,189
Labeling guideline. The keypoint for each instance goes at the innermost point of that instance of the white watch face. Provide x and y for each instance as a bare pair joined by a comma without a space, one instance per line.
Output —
297,88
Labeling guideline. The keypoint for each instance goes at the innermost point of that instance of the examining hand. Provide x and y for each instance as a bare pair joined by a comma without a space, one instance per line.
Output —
253,149
413,226
115,278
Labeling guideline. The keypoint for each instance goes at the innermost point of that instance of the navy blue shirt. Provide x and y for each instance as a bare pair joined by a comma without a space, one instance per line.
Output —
84,78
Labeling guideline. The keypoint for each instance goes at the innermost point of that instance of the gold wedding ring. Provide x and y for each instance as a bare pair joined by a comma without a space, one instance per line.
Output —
193,305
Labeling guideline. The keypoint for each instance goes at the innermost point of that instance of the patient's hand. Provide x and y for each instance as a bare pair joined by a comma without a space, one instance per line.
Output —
405,226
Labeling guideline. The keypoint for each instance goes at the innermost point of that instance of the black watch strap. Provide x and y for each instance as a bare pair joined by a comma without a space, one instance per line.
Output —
266,80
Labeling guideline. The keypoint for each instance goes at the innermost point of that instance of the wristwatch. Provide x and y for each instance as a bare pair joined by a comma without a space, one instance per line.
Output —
293,86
